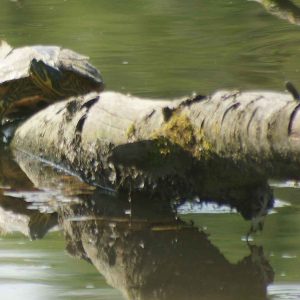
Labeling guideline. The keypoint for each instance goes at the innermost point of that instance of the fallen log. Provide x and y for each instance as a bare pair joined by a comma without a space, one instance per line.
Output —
223,146
258,128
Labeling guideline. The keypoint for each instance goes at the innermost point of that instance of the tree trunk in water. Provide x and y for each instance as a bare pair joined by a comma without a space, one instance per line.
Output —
222,147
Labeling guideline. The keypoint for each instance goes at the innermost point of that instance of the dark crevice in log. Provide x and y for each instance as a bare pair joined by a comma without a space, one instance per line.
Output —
167,113
202,124
233,106
250,120
80,124
293,115
88,104
190,101
149,115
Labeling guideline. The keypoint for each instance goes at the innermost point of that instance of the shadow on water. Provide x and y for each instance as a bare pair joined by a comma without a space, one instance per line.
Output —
141,247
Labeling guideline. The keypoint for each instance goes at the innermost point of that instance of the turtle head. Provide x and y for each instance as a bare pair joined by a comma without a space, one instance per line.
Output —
45,77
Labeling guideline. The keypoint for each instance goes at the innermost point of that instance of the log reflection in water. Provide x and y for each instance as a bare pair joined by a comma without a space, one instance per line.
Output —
141,246
160,257
252,197
14,212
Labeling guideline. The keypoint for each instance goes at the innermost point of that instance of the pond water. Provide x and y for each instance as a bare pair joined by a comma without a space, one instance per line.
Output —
61,239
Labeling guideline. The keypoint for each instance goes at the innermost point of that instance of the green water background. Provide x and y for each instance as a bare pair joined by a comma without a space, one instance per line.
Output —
164,48
161,49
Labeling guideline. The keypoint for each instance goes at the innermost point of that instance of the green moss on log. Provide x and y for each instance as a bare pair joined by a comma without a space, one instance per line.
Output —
131,130
179,131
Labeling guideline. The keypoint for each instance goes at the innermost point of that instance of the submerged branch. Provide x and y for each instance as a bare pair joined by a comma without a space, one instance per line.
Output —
283,9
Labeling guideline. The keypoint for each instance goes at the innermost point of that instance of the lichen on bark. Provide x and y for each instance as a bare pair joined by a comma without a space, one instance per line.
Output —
179,130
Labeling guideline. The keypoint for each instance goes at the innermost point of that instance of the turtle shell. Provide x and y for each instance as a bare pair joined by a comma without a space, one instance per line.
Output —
35,76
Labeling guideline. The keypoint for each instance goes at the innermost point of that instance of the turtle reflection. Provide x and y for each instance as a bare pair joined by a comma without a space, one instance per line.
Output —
15,214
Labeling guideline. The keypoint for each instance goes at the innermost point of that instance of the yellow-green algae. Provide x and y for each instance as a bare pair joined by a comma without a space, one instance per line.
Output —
179,131
131,130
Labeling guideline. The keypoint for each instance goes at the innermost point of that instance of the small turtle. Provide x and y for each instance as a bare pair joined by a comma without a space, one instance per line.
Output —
32,77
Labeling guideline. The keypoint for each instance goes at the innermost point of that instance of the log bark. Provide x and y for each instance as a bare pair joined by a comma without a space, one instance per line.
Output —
223,146
261,128
283,9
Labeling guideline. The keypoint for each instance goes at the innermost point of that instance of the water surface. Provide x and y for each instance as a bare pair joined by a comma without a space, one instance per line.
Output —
164,48
160,49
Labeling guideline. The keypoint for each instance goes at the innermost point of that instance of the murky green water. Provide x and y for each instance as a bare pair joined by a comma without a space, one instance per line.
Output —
156,49
164,48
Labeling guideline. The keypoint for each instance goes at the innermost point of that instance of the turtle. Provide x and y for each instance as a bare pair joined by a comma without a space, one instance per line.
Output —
32,77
